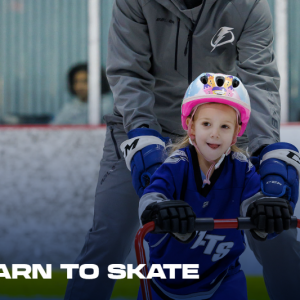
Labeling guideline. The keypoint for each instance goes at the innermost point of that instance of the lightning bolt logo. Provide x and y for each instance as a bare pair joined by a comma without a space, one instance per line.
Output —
220,35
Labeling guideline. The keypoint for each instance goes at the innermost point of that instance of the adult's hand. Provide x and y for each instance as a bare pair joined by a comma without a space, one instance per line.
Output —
279,167
279,170
144,152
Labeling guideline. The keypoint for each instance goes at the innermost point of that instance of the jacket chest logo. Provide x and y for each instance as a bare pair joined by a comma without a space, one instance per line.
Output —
223,36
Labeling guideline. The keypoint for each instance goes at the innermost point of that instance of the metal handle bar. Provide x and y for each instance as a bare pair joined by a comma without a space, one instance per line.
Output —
241,223
201,224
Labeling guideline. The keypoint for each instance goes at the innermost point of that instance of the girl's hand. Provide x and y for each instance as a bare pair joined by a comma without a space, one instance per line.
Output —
173,216
269,215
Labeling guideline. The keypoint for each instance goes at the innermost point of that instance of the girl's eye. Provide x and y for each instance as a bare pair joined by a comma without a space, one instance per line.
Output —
206,124
225,126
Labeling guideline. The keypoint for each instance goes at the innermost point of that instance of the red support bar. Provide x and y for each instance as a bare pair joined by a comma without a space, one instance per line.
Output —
140,252
229,223
141,258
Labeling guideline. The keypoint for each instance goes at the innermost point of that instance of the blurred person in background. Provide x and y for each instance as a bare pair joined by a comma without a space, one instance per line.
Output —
76,111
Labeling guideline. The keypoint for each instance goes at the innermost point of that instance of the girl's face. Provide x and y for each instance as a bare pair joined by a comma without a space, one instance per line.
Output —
214,127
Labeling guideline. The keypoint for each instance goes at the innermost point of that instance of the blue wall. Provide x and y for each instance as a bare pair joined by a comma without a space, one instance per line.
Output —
40,40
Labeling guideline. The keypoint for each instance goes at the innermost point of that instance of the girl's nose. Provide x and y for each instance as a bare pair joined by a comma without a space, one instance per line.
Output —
215,133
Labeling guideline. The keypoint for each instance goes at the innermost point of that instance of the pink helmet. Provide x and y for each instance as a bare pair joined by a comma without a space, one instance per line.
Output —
218,88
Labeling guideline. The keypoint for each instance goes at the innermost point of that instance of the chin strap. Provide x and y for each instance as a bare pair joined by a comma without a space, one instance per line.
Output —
213,163
206,180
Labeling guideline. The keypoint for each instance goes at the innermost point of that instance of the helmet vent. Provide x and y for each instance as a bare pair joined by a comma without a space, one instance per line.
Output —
235,83
204,79
220,81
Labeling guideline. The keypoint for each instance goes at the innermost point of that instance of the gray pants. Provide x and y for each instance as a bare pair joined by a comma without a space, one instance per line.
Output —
280,259
116,223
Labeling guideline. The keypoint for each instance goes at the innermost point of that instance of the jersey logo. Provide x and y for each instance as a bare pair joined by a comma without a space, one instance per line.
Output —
205,204
176,157
222,33
210,241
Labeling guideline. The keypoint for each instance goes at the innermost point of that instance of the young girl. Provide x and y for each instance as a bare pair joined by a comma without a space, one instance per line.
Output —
214,178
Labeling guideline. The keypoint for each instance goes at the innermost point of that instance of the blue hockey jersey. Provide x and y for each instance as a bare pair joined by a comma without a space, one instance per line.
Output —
215,251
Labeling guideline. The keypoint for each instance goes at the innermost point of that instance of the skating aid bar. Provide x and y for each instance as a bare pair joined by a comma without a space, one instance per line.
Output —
201,224
241,223
245,223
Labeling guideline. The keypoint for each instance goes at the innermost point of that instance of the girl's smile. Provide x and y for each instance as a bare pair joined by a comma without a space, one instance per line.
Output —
213,146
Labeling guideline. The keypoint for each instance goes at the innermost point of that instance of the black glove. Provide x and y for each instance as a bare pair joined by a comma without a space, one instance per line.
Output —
172,216
269,216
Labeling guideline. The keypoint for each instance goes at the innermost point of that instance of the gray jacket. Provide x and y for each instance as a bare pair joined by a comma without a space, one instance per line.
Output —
156,47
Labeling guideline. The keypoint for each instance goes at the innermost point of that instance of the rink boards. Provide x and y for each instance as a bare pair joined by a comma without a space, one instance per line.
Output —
48,178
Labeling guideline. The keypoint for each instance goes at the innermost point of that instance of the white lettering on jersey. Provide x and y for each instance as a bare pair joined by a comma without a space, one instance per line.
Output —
210,241
213,239
199,241
222,250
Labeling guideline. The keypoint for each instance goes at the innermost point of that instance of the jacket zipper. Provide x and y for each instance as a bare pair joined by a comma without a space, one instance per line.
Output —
189,44
190,35
114,141
190,58
176,48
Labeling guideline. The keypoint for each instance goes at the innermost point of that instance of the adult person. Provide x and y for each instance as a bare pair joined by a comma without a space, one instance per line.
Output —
156,48
75,112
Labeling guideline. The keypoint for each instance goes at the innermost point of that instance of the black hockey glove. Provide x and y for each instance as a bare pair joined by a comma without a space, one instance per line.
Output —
172,216
269,216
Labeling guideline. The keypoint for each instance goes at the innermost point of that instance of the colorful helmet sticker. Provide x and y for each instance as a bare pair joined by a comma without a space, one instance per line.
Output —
218,88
